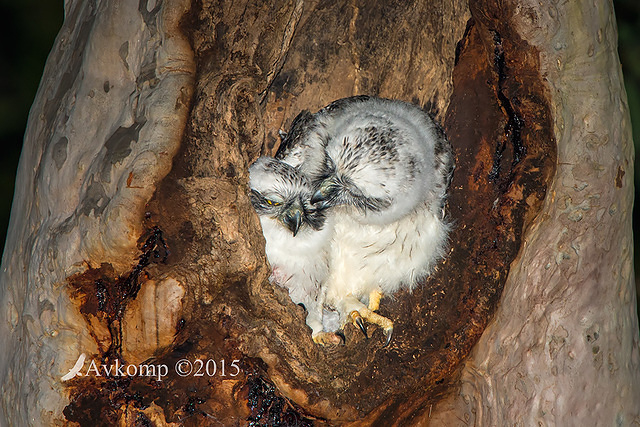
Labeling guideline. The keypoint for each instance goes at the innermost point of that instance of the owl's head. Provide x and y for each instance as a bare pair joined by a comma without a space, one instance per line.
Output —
281,192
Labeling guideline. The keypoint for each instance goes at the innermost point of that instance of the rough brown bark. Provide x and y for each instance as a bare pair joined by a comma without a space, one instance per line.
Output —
151,265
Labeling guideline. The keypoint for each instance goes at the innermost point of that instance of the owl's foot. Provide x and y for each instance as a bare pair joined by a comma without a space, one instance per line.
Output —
374,300
356,317
329,338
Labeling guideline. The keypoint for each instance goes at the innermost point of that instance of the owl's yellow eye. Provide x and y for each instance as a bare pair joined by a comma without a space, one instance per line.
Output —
272,203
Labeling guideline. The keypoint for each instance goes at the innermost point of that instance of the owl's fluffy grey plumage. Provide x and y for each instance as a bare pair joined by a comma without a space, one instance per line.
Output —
382,156
380,168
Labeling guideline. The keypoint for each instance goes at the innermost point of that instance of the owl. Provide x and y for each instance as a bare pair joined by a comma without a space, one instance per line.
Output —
380,170
297,237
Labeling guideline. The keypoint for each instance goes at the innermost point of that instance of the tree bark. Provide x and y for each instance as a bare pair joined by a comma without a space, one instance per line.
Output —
563,346
133,241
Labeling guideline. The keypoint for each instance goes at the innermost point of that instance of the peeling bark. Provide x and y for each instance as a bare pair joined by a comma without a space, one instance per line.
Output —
135,243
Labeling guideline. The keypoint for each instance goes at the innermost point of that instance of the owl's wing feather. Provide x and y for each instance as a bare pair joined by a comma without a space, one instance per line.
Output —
292,139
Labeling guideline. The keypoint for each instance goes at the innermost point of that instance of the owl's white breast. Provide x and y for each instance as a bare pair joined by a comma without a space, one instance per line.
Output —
301,261
367,257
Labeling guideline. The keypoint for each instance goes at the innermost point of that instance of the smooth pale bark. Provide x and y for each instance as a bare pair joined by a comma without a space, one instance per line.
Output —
563,346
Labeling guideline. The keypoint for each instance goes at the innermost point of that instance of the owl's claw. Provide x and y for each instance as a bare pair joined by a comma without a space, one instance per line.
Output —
388,333
356,318
340,335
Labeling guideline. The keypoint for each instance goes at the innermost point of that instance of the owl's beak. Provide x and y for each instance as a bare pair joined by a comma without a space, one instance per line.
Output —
293,219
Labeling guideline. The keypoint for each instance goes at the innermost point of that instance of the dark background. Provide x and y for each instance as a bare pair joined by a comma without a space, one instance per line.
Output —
29,30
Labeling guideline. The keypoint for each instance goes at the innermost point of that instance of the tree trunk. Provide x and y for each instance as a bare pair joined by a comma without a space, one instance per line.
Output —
133,242
562,348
